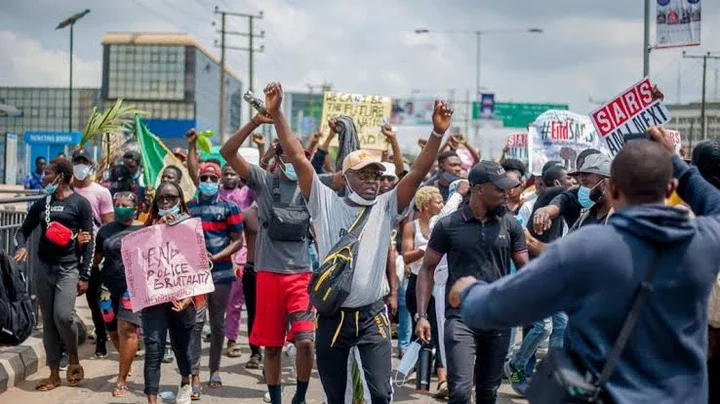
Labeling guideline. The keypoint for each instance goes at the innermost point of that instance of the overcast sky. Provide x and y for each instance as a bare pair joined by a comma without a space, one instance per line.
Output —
590,49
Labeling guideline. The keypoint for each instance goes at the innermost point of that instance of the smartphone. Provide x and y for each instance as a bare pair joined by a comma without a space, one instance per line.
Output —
636,136
256,103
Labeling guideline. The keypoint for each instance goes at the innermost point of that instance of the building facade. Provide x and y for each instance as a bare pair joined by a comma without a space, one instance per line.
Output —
42,110
173,79
685,118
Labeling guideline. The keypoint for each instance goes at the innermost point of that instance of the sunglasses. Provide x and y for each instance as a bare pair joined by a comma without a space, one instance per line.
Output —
212,178
369,175
124,195
168,198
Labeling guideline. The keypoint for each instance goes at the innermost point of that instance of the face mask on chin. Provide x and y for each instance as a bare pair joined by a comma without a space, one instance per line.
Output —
356,198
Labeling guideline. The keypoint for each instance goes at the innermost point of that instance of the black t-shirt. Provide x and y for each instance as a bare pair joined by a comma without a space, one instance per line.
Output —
73,212
543,200
109,240
475,248
569,205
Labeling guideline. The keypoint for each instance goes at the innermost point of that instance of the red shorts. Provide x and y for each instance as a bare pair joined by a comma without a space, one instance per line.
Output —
282,302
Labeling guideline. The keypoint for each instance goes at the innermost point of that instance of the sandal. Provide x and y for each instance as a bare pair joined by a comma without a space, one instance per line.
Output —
47,384
254,362
75,374
442,390
120,390
233,350
196,393
215,381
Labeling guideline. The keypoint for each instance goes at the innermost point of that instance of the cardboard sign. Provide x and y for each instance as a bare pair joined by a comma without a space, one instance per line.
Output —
518,144
677,139
165,263
633,111
368,112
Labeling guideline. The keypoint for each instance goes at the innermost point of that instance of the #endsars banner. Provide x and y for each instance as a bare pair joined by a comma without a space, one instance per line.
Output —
558,135
678,23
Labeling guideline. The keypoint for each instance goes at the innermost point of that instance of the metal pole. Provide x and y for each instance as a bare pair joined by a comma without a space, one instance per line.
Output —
221,126
250,63
703,134
70,108
477,65
646,41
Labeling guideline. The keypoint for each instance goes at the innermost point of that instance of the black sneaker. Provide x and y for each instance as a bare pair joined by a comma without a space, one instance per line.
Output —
64,360
101,349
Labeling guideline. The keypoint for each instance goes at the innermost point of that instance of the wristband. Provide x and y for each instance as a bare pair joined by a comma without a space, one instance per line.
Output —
438,135
418,316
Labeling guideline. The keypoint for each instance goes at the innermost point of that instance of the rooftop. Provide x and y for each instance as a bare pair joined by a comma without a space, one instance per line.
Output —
160,38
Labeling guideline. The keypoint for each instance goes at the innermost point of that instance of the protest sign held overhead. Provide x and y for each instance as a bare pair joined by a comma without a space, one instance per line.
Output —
368,112
633,111
560,135
165,263
517,144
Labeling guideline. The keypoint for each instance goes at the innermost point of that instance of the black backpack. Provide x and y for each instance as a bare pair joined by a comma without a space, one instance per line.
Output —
17,318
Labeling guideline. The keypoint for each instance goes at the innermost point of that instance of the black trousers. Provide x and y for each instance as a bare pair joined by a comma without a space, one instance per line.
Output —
476,355
249,280
411,302
368,328
93,299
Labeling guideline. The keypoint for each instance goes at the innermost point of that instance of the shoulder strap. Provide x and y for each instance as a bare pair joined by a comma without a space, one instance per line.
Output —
359,224
629,323
275,190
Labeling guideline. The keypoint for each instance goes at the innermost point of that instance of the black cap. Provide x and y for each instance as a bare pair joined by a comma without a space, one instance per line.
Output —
490,171
133,155
81,154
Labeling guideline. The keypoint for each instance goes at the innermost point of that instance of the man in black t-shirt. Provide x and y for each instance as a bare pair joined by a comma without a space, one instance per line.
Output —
480,240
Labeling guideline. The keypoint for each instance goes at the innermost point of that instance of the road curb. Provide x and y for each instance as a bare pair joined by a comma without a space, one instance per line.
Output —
20,362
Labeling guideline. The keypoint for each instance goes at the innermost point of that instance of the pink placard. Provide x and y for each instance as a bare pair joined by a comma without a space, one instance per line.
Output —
165,263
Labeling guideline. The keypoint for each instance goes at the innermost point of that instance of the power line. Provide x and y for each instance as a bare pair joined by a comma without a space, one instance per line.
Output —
704,58
251,35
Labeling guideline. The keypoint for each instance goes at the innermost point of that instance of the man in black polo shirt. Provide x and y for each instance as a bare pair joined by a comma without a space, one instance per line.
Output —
479,239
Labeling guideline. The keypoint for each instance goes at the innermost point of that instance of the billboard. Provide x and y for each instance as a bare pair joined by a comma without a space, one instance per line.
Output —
678,23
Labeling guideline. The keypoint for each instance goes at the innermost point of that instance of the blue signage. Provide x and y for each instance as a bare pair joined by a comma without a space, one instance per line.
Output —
45,138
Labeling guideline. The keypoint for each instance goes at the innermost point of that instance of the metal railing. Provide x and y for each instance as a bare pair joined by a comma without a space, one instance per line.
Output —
10,223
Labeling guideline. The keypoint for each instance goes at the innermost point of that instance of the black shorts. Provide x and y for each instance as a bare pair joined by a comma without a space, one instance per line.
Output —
121,310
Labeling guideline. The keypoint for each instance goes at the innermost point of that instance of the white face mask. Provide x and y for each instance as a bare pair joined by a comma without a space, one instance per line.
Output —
81,171
412,353
355,197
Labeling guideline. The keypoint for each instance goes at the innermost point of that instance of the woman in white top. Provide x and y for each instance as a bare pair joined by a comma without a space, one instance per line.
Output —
416,235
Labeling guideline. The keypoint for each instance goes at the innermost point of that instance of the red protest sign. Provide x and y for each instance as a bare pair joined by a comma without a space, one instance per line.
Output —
517,140
633,111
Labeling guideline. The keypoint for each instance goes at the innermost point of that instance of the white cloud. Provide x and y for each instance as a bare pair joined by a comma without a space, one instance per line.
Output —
27,63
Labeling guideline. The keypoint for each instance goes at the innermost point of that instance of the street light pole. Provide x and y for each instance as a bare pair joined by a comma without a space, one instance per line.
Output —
478,38
70,21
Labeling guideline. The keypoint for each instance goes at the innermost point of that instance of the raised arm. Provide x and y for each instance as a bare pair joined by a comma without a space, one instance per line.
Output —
442,117
292,147
230,148
391,138
193,159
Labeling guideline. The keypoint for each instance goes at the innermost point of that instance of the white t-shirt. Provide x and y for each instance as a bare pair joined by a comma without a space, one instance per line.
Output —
332,216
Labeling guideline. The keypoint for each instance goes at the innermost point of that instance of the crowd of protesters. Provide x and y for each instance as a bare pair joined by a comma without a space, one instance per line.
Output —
481,261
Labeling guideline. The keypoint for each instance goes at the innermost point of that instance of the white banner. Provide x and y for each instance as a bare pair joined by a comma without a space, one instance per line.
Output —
561,136
678,23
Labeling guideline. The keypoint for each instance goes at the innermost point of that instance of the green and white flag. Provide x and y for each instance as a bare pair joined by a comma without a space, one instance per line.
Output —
156,156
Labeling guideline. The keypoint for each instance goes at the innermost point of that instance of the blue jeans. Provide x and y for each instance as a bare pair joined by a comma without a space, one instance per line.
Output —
559,324
405,331
530,343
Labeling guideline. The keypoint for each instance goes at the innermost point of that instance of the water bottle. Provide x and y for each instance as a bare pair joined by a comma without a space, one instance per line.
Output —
424,370
256,103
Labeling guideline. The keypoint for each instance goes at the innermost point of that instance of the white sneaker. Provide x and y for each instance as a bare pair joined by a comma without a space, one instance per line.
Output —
184,395
266,396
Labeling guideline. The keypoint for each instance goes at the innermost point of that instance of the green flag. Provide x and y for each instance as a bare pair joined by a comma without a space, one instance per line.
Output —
156,156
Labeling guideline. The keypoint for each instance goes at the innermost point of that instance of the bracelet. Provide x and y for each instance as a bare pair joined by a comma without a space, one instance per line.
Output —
439,135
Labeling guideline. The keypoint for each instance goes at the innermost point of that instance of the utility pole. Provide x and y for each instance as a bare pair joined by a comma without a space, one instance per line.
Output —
705,57
646,40
250,49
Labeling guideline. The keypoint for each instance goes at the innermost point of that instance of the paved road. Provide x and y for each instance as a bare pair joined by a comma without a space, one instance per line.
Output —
241,385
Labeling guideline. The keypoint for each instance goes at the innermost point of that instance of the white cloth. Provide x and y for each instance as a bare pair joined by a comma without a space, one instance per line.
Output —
419,241
439,295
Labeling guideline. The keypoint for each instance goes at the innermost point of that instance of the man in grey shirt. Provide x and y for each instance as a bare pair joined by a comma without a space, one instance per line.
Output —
282,265
362,320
